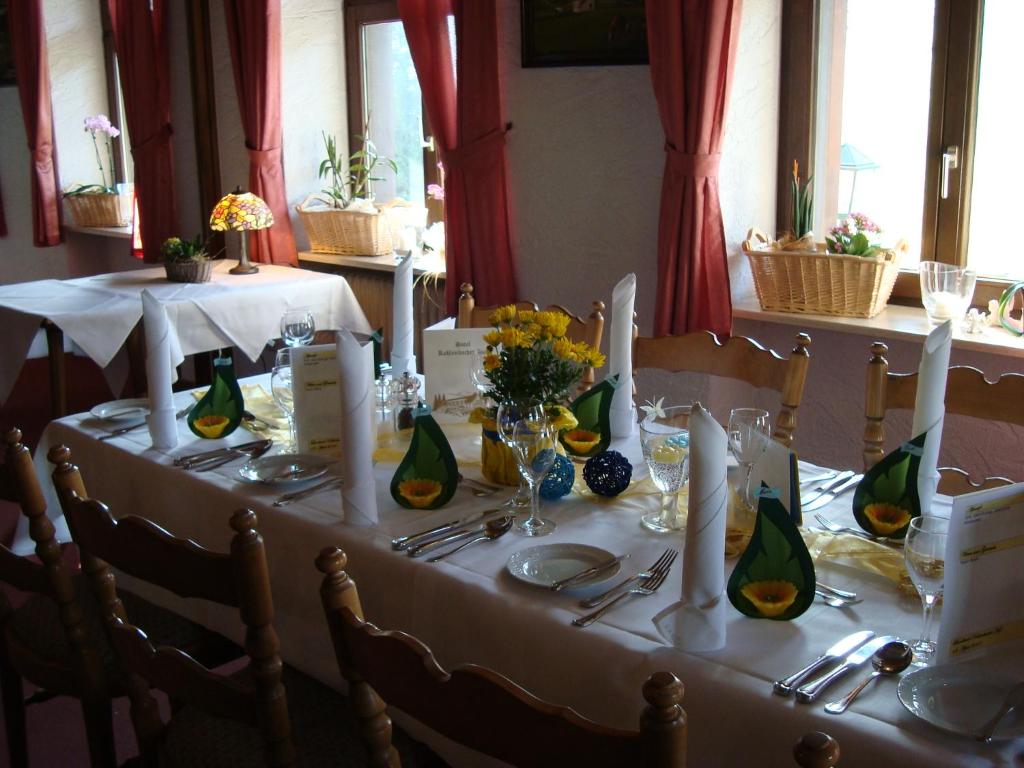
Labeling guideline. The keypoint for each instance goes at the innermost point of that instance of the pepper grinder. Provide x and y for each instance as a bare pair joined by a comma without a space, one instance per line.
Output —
407,399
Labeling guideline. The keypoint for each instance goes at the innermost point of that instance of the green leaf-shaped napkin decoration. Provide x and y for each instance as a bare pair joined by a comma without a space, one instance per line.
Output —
774,579
428,475
592,410
219,412
886,500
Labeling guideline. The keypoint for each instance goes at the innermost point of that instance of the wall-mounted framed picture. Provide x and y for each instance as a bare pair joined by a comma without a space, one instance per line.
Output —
6,54
572,33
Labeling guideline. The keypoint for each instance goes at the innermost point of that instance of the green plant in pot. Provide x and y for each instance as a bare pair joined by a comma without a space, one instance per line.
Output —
354,182
186,261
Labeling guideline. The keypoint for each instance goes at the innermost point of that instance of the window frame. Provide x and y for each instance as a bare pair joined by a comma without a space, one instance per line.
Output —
115,97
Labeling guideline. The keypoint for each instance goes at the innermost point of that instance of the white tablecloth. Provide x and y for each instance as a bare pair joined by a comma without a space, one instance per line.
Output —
468,609
97,313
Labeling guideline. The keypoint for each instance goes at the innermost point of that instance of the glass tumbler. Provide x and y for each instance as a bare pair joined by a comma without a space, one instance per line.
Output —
946,291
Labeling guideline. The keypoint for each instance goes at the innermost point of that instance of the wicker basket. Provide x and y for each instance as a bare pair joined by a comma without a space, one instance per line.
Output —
99,210
189,271
348,233
820,283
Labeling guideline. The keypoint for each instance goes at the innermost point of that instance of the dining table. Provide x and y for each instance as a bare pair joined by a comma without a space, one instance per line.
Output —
468,608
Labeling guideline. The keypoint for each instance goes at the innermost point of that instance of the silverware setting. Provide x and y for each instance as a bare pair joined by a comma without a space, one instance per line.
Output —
644,588
834,601
808,692
131,427
848,644
891,659
250,416
593,602
827,497
825,483
831,527
402,543
326,485
583,575
493,529
478,488
822,478
200,460
836,592
1014,700
456,533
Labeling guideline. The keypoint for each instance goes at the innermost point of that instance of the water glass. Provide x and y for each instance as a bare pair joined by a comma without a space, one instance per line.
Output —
506,418
281,389
748,437
297,327
665,439
946,291
533,442
925,554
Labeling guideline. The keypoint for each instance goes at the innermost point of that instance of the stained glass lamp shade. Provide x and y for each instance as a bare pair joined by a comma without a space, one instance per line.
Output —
241,211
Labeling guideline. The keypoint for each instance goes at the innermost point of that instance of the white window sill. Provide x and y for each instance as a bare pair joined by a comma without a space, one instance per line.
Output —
121,232
893,322
420,264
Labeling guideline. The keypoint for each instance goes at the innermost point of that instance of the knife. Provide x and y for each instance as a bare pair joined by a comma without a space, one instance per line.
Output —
558,586
326,485
848,644
403,543
825,498
231,454
827,485
805,694
457,534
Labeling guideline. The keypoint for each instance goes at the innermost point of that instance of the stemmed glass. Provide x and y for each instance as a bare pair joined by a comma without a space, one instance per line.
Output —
533,442
925,553
297,327
506,418
748,437
665,439
281,388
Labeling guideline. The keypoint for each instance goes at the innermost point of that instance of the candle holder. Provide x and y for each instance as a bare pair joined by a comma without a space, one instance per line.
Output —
946,291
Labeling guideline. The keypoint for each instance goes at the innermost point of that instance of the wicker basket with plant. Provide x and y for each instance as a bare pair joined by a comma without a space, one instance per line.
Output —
99,205
186,261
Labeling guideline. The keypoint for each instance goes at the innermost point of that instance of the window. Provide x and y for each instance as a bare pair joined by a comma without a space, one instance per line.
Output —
903,111
124,169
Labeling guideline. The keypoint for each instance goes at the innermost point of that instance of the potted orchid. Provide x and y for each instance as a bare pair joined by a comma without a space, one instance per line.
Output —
99,205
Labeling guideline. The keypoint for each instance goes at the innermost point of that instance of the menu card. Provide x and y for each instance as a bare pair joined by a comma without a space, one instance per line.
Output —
316,398
450,355
777,468
983,579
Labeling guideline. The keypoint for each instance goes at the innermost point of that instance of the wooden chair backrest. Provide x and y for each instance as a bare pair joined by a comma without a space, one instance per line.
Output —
739,358
238,578
590,330
968,393
478,707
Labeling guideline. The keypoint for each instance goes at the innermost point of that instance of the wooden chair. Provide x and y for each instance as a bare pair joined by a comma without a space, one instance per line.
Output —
49,640
738,358
478,707
968,393
590,330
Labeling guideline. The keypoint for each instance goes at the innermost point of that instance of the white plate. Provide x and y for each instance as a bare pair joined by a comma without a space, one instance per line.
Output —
960,699
545,564
284,468
122,410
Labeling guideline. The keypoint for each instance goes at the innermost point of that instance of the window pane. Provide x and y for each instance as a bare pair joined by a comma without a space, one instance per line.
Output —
393,105
997,162
886,89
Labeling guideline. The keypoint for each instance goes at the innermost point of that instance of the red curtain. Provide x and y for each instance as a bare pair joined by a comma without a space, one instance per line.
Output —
254,34
28,46
693,52
469,132
140,39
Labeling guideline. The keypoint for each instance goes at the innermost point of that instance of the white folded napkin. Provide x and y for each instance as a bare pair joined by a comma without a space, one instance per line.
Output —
163,356
355,378
930,409
403,356
620,357
697,621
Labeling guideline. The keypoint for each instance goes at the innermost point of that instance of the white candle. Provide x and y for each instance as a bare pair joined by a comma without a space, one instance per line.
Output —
946,304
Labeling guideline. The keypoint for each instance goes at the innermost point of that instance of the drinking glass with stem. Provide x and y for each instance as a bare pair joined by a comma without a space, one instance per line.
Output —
748,436
281,388
507,416
533,442
297,327
925,554
665,439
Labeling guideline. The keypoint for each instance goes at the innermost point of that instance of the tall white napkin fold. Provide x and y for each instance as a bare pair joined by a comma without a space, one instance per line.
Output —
930,409
355,379
163,356
403,355
697,621
620,357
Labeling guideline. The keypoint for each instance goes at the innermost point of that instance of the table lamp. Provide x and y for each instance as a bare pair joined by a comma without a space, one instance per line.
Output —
241,211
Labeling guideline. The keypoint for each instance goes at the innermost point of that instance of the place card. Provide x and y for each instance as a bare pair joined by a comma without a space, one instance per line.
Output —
982,612
450,356
777,468
316,400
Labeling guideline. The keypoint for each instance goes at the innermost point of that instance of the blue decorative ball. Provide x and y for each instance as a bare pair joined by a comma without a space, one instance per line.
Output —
608,473
559,479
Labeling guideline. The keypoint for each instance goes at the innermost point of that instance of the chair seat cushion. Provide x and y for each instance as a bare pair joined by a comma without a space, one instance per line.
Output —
323,733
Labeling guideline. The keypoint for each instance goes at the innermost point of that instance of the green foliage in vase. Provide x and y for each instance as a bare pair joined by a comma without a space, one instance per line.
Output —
803,203
175,250
355,181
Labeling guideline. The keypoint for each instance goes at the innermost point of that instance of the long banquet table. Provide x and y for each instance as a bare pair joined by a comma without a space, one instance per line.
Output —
468,609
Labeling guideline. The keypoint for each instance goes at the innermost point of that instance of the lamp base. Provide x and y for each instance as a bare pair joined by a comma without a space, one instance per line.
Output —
244,269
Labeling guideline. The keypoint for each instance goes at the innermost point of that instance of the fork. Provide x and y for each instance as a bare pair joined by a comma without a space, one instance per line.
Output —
645,588
831,527
593,602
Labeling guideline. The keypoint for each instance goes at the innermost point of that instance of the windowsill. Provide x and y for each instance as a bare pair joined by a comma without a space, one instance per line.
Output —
893,322
420,265
122,232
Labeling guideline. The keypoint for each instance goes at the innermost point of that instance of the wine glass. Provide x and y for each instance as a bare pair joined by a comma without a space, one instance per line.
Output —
533,442
925,552
665,439
281,388
508,414
748,437
297,327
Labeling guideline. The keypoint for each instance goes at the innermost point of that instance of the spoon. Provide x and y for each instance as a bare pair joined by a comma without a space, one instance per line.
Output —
835,601
494,529
891,659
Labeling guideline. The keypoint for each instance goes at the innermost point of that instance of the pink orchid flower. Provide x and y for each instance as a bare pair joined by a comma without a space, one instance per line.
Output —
435,191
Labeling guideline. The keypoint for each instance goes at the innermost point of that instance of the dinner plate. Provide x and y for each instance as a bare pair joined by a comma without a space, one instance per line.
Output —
545,564
960,699
284,468
122,410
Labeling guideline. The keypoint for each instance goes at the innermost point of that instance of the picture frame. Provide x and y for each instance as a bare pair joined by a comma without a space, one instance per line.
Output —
6,54
573,33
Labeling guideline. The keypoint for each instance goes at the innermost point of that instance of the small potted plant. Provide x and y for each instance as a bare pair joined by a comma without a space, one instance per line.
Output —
186,261
343,218
99,205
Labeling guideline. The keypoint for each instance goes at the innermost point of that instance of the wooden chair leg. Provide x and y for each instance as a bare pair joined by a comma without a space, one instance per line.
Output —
14,713
99,730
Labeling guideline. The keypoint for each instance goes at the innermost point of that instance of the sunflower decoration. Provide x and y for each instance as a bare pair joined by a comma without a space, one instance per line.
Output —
886,500
420,493
428,475
211,426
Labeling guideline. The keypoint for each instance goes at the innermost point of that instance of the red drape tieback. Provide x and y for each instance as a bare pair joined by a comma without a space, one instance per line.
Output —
694,165
264,157
161,135
481,147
